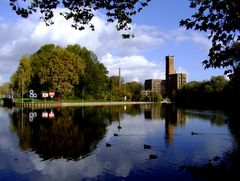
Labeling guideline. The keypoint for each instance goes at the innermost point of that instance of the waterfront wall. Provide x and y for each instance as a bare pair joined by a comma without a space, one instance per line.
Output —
63,104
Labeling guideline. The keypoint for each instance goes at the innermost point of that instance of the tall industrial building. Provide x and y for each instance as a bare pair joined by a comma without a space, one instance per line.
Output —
174,81
169,66
168,87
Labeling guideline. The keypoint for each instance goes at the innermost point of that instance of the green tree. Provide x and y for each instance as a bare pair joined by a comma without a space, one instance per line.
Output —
4,89
233,57
218,83
133,88
51,68
115,81
81,12
220,19
94,82
118,89
213,90
59,70
22,78
154,97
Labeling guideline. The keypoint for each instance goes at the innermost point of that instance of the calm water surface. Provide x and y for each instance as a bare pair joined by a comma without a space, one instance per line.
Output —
140,142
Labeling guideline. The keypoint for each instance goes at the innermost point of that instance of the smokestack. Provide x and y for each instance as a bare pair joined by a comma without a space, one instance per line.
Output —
119,83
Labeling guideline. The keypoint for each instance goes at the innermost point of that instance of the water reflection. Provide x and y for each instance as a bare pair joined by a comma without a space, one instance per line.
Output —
73,133
70,134
71,142
174,117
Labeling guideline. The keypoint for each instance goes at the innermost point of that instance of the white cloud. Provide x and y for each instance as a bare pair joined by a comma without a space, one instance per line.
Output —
181,35
133,68
25,36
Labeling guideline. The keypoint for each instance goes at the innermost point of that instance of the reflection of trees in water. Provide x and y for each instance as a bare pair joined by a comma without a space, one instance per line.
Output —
71,134
216,117
75,132
133,110
153,111
67,135
234,126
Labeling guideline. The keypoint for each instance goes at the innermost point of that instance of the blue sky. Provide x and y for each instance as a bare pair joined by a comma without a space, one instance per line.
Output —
157,34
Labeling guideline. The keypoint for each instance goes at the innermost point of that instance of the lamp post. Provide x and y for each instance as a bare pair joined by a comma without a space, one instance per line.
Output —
22,85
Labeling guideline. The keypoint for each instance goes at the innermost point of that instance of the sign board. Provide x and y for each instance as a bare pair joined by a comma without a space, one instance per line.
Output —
51,94
32,94
44,94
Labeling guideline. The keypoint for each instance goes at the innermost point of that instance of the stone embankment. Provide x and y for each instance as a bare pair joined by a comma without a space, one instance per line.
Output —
62,104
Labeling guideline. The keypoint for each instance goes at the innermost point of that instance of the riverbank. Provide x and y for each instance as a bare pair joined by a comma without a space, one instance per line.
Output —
65,104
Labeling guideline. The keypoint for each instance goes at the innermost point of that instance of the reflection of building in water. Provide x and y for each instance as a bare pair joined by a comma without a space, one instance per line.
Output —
153,112
174,117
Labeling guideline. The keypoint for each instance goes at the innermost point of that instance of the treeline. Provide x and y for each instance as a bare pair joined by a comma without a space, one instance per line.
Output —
217,90
71,72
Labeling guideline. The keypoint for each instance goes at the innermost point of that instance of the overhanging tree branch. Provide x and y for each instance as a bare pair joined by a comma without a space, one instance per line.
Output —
221,20
82,11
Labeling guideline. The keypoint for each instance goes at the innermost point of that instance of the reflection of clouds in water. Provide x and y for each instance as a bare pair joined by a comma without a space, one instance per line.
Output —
11,158
8,142
213,147
127,152
16,161
62,169
125,156
118,162
4,118
29,162
131,126
211,142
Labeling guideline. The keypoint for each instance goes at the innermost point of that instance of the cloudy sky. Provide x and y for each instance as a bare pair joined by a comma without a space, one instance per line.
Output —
157,34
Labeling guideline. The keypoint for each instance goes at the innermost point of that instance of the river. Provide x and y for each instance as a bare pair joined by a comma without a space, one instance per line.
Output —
127,142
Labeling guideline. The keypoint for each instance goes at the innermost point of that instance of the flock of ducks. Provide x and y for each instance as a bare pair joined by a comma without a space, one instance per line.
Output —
145,146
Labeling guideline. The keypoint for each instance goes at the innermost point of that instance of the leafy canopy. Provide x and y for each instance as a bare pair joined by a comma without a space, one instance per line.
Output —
93,83
221,20
59,69
82,11
51,68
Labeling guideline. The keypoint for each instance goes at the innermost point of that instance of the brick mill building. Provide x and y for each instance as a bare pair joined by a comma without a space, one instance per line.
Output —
168,87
